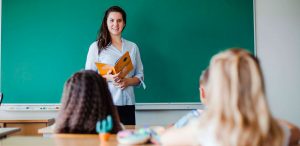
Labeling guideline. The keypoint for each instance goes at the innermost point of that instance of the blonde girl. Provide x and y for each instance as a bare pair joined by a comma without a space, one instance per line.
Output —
238,113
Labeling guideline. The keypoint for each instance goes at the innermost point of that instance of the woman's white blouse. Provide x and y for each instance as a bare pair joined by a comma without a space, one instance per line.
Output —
110,55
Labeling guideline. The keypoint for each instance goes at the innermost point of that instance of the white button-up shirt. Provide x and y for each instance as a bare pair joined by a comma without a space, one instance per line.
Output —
110,55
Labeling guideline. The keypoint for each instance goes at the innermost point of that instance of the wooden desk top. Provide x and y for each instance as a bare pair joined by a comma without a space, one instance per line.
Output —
50,129
58,140
47,130
6,131
10,120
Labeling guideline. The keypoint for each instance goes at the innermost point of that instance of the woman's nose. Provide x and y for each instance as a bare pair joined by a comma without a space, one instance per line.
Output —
115,23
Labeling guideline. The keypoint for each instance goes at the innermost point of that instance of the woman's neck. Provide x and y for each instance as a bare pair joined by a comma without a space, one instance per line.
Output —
117,42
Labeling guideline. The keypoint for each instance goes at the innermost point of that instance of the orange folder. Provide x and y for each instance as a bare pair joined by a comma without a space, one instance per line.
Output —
123,65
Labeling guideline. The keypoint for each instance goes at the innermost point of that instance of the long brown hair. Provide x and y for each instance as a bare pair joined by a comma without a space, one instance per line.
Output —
238,108
104,39
85,100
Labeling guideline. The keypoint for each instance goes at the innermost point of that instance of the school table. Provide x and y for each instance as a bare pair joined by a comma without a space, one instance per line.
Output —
27,126
49,131
60,140
6,131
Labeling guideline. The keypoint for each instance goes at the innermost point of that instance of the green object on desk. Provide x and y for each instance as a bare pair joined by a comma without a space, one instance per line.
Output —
45,42
105,125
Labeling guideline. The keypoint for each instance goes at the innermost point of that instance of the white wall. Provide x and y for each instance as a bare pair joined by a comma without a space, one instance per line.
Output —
278,48
147,114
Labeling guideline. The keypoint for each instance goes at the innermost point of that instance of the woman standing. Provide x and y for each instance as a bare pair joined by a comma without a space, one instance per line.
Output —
108,48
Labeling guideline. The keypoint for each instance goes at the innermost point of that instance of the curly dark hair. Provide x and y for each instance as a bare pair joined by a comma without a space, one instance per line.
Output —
85,100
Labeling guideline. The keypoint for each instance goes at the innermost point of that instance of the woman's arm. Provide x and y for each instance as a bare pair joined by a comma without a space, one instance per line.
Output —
138,76
123,83
139,69
92,57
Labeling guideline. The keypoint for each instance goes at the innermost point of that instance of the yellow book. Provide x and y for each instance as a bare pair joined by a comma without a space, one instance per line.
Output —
123,65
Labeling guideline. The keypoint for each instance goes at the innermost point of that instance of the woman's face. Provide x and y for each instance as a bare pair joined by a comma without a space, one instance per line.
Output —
115,23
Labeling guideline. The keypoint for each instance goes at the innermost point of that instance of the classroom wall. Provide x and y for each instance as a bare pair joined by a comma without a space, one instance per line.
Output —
277,42
147,114
278,48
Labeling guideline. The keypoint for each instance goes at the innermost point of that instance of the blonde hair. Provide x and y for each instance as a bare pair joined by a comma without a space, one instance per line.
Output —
237,103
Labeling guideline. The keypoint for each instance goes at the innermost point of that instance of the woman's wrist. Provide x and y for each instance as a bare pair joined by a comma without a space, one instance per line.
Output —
134,81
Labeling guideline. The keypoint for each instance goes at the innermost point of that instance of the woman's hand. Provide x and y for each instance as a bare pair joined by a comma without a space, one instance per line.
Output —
112,78
122,83
125,82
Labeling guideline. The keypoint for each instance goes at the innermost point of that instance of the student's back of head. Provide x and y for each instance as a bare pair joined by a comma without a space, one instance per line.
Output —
238,113
85,100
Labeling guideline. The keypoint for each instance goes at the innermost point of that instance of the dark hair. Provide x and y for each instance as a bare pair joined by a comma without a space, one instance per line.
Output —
104,38
85,100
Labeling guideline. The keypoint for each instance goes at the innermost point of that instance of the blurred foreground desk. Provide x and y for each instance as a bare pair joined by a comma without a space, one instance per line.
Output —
60,140
49,131
27,126
6,131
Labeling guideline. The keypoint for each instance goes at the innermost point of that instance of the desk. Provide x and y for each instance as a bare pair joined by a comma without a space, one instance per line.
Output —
6,131
72,140
27,126
49,131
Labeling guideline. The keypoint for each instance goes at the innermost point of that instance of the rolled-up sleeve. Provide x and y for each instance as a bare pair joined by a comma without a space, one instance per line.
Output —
139,70
92,57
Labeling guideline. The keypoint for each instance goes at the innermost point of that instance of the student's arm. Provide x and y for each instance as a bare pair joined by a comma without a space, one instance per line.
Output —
295,133
181,136
184,120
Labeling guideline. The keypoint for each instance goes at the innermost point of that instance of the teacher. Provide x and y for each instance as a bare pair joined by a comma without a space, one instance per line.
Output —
108,48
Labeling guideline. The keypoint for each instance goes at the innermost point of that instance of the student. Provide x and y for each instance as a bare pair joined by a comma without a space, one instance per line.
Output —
108,48
85,100
195,113
238,113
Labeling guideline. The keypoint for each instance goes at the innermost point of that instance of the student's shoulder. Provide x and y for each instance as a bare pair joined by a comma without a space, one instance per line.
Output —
291,131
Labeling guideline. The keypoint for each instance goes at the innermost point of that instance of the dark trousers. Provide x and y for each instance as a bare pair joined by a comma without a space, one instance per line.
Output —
127,114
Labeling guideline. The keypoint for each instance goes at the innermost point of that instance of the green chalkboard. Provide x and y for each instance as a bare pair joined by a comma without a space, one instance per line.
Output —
45,41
